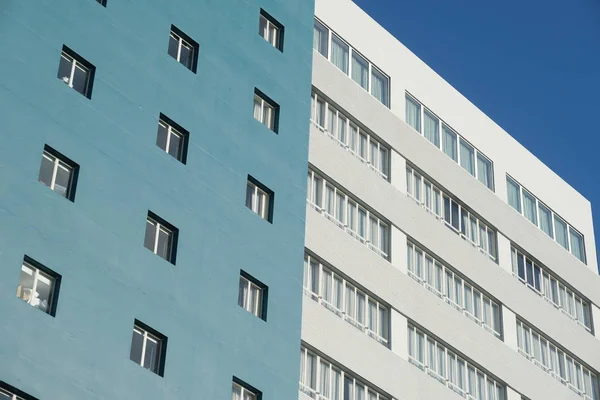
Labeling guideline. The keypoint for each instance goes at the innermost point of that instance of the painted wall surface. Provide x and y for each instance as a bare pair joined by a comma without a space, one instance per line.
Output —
96,242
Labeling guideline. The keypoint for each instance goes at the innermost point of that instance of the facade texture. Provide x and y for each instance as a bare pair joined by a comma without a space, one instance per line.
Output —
443,260
149,145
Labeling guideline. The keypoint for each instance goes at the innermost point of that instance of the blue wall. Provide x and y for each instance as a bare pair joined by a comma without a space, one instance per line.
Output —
96,243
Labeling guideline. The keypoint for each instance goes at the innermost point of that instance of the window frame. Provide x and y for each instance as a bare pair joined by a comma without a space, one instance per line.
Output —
273,123
269,199
279,29
255,394
183,39
149,333
58,159
263,291
167,228
174,128
14,393
78,61
55,278
101,2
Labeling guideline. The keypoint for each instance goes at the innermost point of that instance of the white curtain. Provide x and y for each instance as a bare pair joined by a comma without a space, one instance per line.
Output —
413,114
561,232
360,71
577,245
545,220
258,108
379,86
514,194
529,207
484,171
339,54
431,129
467,157
449,143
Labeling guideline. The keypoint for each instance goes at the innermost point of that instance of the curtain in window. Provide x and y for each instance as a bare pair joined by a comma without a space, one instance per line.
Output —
484,171
431,129
529,207
324,379
236,393
449,143
257,108
545,220
467,157
560,228
379,86
360,70
339,54
320,38
577,244
413,114
514,194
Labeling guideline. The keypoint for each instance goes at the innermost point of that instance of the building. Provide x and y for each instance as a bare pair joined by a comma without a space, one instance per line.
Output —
128,129
443,260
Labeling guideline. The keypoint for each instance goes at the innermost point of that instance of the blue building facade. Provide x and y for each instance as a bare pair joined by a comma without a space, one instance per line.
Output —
95,246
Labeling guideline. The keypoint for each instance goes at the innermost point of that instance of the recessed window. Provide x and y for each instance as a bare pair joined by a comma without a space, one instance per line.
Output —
252,296
148,348
161,237
266,111
183,49
102,2
259,199
38,286
172,138
270,30
8,392
242,391
76,72
58,173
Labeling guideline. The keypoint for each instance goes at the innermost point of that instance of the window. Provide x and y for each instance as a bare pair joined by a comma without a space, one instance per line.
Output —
543,282
270,30
451,143
455,290
266,111
350,135
450,369
545,219
8,392
148,348
252,296
172,138
242,391
259,199
560,364
58,173
101,2
183,49
161,237
38,286
76,72
351,63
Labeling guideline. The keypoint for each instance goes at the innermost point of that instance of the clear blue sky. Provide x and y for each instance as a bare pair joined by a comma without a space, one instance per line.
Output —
532,66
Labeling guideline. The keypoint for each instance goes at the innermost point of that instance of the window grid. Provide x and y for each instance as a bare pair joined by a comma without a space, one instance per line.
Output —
452,144
69,79
353,304
348,214
450,369
458,292
264,112
545,219
151,346
348,134
351,62
65,168
323,380
155,246
561,365
173,142
5,393
250,297
239,392
42,291
551,288
183,45
270,31
455,216
258,200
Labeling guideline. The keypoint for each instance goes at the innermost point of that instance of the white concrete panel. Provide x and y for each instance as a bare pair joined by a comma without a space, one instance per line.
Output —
398,171
398,258
509,325
381,367
511,394
504,253
399,334
409,298
596,320
409,73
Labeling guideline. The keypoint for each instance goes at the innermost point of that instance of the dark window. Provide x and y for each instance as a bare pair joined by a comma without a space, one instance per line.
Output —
253,296
58,173
172,138
266,111
270,30
38,286
183,49
76,72
148,348
259,199
161,237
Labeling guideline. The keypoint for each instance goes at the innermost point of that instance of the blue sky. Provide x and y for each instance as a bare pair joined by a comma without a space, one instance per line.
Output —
532,66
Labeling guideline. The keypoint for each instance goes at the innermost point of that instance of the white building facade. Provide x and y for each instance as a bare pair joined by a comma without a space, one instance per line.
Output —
443,260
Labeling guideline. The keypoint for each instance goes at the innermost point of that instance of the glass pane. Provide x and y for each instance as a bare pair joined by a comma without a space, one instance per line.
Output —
173,45
413,114
63,179
262,27
380,86
151,355
25,288
321,39
339,53
484,171
46,169
80,79
236,392
137,340
360,70
249,195
43,295
175,145
164,244
514,194
545,220
577,244
560,228
467,157
64,68
529,207
150,235
268,115
348,386
431,129
449,143
161,137
258,108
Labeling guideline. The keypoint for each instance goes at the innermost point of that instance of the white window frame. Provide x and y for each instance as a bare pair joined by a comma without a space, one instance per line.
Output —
161,227
258,309
76,64
181,43
35,273
147,336
11,394
58,163
266,33
271,112
266,203
244,391
173,131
